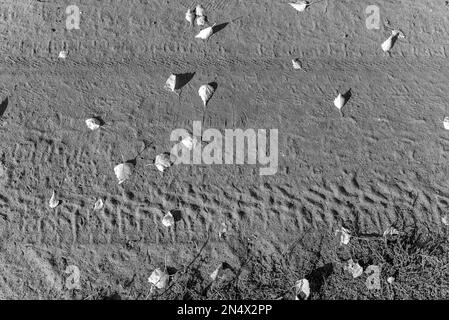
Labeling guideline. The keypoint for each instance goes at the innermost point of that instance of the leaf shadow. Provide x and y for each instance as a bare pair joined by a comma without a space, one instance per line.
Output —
183,79
3,107
219,27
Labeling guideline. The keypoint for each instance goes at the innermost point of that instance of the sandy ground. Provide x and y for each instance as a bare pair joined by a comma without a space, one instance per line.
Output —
384,160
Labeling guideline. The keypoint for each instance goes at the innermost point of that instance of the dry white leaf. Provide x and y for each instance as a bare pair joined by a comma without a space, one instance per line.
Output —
354,269
201,20
159,279
214,274
53,203
205,92
445,220
300,5
390,280
190,16
63,54
171,82
391,232
223,230
205,33
388,44
123,171
345,235
98,204
339,101
199,10
168,220
446,123
163,161
3,173
93,124
189,142
296,64
302,289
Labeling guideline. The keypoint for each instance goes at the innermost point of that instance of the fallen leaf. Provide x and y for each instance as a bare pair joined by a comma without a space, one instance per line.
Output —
53,203
223,230
205,92
190,16
189,142
345,236
390,280
214,274
93,124
163,161
201,20
445,220
446,123
171,82
297,65
98,204
391,232
205,33
339,101
159,279
123,171
388,44
199,10
300,6
302,289
353,268
168,220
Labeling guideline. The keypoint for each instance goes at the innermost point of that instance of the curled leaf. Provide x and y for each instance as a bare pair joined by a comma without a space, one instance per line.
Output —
190,16
63,54
53,203
168,220
201,20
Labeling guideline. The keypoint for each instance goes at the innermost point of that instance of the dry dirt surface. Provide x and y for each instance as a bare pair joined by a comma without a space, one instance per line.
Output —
382,162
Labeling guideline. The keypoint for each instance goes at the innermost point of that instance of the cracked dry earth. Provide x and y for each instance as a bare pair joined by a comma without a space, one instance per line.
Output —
385,159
